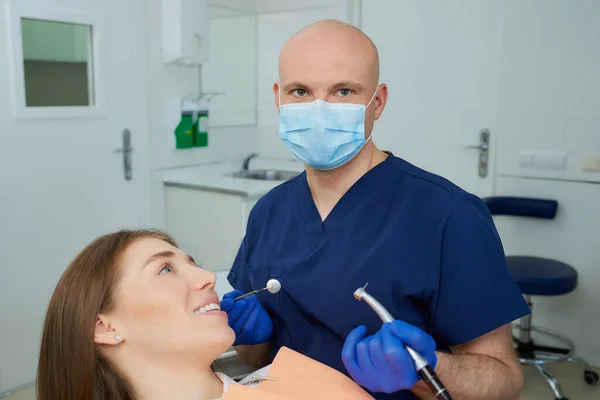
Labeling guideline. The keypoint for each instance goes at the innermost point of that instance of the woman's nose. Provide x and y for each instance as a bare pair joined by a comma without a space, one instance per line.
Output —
204,279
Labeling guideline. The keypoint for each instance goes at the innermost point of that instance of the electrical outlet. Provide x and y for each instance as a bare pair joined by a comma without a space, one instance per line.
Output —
590,163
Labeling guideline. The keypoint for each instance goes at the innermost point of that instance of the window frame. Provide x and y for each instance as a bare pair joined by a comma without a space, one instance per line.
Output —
14,14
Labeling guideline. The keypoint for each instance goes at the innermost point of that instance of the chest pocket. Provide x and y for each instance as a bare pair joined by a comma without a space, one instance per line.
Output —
258,276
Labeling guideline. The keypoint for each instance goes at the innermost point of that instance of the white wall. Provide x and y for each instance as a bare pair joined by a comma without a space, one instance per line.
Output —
550,85
277,6
232,69
550,100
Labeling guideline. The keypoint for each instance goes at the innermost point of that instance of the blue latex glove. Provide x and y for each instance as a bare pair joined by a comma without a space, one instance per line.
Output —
380,363
248,319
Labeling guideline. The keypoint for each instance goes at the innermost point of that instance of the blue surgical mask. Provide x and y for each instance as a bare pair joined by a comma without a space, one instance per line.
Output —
323,135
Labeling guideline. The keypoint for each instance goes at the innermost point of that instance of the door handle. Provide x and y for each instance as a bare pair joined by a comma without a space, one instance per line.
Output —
484,149
126,150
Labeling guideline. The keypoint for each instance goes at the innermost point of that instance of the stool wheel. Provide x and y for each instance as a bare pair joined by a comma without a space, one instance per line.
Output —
591,377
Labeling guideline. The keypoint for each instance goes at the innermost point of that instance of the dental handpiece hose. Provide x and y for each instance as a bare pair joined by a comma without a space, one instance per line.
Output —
421,365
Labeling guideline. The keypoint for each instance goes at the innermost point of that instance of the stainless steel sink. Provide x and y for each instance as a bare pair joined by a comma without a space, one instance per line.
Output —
265,174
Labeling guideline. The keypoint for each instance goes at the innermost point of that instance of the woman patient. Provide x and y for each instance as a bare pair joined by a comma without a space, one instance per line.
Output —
133,317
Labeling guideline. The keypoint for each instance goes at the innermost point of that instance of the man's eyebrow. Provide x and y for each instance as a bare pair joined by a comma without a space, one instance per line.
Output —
294,85
347,85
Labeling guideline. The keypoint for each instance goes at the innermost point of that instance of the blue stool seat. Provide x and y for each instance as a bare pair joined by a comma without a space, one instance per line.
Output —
542,276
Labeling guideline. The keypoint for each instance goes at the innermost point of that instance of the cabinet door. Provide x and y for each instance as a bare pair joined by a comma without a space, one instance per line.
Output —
205,224
247,206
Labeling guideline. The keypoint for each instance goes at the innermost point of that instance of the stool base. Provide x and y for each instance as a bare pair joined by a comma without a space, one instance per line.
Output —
530,353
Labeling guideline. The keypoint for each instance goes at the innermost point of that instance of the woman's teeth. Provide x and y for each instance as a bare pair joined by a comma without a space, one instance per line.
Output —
207,308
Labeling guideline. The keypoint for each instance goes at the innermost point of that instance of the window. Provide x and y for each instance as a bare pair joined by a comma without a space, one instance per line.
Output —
57,63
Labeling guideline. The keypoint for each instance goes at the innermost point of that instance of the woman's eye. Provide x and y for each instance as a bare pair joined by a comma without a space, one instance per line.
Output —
166,269
299,92
344,92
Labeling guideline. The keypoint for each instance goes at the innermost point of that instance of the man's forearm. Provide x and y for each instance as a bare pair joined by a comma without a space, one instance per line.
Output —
475,377
256,356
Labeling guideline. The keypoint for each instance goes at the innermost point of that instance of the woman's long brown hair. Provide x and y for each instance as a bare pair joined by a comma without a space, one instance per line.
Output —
71,366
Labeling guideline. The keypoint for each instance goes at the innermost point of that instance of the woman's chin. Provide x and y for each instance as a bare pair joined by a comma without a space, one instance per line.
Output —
228,337
221,340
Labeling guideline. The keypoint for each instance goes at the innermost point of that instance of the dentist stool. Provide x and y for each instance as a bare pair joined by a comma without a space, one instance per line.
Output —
539,276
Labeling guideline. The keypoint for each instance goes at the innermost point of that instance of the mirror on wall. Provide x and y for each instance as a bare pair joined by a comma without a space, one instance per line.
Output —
231,67
57,63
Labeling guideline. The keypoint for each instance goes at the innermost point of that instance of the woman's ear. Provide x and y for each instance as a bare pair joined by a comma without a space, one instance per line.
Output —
105,333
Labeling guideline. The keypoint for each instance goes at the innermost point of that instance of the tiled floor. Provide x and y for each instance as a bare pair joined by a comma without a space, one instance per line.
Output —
570,376
571,380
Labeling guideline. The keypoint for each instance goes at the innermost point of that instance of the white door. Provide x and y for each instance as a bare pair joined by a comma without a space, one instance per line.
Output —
440,61
61,181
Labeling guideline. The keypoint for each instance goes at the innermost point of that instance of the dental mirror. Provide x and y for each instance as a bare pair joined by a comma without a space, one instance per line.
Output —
273,286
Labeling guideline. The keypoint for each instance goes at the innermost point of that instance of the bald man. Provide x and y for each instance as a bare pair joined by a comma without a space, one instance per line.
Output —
428,249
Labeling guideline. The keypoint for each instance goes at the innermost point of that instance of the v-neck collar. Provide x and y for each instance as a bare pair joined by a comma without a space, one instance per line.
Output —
316,229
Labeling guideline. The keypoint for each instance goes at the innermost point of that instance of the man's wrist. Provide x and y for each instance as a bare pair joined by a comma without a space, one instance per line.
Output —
420,388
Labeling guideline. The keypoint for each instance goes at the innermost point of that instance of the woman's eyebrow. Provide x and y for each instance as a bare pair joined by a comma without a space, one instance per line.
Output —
162,254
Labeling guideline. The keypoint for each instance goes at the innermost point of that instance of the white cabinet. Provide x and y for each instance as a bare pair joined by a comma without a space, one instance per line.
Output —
207,225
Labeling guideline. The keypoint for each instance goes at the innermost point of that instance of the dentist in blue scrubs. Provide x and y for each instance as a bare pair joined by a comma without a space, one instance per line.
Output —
428,249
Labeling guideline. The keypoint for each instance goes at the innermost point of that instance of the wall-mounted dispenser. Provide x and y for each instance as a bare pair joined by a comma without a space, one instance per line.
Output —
192,129
185,31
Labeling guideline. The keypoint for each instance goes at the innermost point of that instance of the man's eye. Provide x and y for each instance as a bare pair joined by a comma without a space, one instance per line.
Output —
345,92
299,92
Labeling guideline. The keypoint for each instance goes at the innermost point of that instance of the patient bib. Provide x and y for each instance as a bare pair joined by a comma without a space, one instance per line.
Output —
298,377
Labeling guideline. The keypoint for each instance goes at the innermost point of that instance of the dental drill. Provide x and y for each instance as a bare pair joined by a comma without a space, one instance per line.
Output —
421,365
273,286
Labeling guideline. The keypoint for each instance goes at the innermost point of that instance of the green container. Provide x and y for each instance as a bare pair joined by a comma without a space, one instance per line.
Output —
184,133
201,139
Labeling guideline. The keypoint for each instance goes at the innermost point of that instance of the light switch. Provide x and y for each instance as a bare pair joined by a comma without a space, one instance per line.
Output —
590,164
555,160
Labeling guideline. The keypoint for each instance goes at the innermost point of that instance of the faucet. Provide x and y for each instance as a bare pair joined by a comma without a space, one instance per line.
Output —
247,160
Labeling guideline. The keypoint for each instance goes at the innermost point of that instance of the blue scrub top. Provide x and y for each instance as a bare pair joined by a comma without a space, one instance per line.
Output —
429,250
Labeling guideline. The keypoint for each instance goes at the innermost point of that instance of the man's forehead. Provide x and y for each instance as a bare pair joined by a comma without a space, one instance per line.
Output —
324,71
332,85
329,52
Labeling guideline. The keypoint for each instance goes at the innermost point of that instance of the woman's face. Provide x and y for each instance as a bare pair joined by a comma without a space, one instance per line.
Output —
165,303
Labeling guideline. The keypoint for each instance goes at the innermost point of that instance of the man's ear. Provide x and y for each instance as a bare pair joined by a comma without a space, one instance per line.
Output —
276,94
380,100
105,333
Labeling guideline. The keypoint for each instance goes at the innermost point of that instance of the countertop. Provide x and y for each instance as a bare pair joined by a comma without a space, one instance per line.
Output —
218,178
